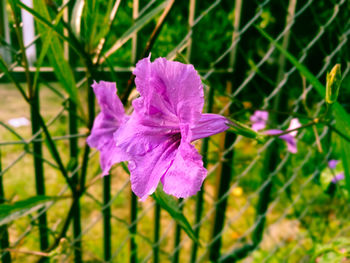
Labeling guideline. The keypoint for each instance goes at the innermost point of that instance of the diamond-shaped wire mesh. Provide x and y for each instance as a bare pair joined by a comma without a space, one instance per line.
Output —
246,73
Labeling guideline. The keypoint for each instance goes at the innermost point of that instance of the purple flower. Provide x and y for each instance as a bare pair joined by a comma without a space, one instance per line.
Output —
338,177
289,138
111,117
332,164
259,119
167,117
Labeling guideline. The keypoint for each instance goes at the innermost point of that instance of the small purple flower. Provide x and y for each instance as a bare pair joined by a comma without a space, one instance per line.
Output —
107,122
167,117
332,163
289,138
259,119
338,177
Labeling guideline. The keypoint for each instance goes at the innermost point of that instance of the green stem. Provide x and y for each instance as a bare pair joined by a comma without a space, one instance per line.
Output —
4,235
77,229
133,228
177,240
39,169
107,217
73,150
157,212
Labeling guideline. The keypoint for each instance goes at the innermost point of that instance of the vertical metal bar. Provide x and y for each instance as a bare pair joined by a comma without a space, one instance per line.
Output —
4,235
157,212
107,218
177,239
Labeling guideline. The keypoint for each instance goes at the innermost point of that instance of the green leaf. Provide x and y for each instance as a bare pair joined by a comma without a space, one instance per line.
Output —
55,54
169,204
38,16
11,212
141,22
341,116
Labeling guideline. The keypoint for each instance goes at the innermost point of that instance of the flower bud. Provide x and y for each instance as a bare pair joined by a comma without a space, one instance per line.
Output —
333,84
242,129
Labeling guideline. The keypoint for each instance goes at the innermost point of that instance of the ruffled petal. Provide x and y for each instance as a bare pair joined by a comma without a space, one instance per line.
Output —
106,123
146,170
170,89
209,124
111,155
138,139
186,174
110,118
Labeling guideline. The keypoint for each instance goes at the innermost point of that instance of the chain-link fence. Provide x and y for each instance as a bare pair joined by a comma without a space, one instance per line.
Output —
259,203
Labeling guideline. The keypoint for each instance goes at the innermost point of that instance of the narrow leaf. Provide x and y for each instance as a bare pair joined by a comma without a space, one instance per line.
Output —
133,29
170,205
11,212
55,54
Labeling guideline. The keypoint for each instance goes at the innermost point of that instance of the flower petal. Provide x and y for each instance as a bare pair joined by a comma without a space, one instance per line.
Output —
332,163
338,177
110,118
291,142
170,88
186,174
259,119
110,155
138,139
294,123
146,170
207,125
288,138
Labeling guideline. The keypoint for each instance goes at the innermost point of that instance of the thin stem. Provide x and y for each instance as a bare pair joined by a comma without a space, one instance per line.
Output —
39,170
176,255
157,212
107,232
77,229
133,228
4,235
73,151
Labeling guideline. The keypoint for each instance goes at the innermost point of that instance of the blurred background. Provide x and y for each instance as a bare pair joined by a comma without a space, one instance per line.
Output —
259,203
